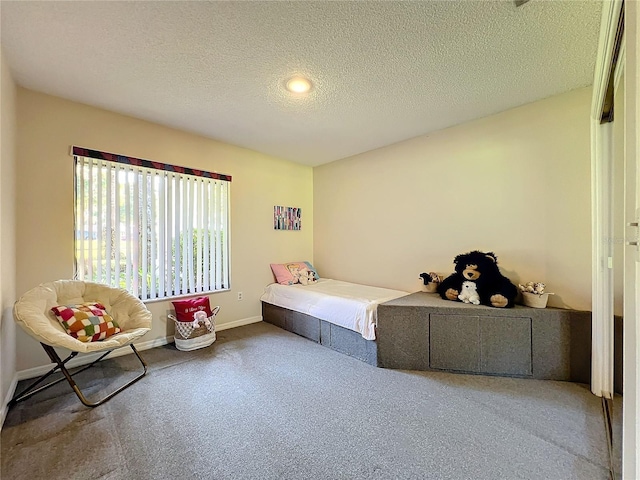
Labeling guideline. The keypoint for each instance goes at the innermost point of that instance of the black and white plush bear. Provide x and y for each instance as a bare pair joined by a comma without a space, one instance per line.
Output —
494,289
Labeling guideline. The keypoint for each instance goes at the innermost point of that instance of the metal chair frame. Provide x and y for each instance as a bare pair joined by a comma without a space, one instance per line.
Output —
61,366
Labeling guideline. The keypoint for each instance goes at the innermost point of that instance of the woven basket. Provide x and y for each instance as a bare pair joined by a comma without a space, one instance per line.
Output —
535,300
185,331
189,338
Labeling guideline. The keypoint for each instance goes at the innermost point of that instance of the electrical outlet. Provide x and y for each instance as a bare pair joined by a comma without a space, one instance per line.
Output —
240,296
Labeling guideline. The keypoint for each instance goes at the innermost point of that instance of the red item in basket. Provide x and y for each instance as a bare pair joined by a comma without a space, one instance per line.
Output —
186,308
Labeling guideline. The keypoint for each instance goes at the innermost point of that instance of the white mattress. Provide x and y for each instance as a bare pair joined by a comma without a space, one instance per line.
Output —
348,305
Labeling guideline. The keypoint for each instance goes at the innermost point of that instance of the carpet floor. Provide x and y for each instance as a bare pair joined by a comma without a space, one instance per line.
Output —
262,403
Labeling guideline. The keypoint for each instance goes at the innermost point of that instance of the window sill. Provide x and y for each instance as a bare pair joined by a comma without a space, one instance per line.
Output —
186,295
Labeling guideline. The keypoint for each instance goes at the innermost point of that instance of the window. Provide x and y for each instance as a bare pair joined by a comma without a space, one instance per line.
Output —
153,229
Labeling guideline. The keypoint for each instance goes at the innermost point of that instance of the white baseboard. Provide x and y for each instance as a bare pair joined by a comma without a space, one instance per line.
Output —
158,342
91,357
239,323
7,399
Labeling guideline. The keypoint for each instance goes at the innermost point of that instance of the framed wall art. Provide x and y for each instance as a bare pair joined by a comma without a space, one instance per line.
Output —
287,218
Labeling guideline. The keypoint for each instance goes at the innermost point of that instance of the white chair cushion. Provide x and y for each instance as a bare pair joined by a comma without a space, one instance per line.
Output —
33,313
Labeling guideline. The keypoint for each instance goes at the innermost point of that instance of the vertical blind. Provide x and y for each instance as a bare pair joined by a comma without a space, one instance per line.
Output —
154,232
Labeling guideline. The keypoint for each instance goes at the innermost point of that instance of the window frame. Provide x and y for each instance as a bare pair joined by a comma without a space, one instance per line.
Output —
195,191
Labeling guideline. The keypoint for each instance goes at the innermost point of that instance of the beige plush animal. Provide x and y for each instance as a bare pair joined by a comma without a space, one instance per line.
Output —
539,288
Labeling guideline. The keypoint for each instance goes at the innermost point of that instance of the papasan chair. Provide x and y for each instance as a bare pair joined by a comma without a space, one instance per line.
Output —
33,313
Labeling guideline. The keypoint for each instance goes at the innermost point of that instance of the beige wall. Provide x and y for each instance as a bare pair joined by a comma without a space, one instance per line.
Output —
48,126
7,230
516,183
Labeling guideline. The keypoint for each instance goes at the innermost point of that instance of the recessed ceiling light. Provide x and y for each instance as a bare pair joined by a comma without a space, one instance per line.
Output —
298,85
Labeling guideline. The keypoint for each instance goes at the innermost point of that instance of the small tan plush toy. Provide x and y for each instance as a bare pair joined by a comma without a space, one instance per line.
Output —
539,288
531,287
527,287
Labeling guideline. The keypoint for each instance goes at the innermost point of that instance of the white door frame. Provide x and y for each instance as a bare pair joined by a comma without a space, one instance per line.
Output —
601,207
602,189
631,312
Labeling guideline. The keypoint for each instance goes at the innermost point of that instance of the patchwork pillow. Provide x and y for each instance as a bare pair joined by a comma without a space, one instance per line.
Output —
294,272
186,308
88,322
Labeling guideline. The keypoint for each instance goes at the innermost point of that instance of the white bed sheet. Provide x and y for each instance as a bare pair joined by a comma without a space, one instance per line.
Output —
348,305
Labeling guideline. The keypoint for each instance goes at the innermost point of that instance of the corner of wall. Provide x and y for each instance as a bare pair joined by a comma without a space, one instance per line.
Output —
8,132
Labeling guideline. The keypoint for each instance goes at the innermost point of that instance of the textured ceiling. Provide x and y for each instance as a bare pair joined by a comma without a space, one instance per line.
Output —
383,72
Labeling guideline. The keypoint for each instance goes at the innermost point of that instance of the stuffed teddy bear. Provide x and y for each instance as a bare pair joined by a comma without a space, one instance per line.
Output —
493,288
469,294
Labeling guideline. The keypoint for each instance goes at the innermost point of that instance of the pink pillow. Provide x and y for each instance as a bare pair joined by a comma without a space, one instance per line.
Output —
186,308
294,272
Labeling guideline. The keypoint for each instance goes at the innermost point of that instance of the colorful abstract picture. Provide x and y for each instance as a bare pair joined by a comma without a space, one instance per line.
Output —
287,218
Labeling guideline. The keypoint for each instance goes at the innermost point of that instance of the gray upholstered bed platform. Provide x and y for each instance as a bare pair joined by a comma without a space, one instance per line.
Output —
423,332
333,336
